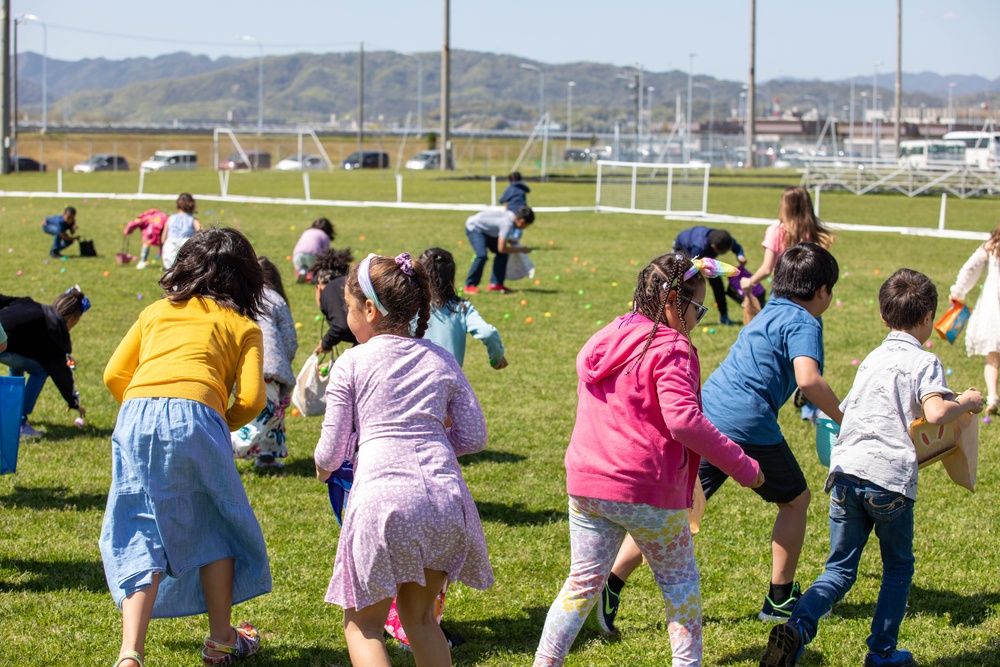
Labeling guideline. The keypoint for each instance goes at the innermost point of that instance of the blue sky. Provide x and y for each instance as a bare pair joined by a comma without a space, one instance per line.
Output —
797,38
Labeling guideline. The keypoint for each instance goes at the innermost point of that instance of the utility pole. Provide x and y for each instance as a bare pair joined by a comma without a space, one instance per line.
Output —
899,73
751,103
446,87
361,105
5,84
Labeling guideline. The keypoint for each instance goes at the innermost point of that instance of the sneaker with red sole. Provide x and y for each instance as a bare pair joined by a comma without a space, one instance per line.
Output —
500,288
471,289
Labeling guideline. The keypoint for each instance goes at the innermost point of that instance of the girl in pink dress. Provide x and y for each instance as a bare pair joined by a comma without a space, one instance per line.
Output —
797,222
410,524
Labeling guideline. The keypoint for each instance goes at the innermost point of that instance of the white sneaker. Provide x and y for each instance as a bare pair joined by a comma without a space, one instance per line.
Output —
141,265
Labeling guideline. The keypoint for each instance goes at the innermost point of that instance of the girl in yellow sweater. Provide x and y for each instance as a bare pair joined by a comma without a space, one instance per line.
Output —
179,537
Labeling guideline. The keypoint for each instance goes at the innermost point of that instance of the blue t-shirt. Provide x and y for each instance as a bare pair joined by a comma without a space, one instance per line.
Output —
742,397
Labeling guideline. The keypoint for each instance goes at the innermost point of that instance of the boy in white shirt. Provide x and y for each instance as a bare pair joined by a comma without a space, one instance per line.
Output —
873,473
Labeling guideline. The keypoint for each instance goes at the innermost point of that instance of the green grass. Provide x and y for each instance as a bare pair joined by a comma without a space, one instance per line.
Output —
54,605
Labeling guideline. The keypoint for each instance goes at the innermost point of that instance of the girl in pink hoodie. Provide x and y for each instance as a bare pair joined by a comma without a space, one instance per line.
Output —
633,457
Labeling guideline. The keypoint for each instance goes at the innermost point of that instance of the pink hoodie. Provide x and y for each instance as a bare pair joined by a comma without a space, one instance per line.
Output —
639,438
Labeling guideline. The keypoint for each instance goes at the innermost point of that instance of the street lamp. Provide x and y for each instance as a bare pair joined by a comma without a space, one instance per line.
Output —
649,124
687,139
569,111
45,57
851,112
260,82
541,88
875,137
864,116
711,116
951,117
420,89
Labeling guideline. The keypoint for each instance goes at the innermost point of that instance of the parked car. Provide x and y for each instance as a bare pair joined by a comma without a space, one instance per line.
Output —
427,160
257,160
19,164
367,160
102,162
576,155
300,162
171,161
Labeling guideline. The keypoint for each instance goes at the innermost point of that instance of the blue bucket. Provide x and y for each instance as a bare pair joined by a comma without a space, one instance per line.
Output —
11,403
827,432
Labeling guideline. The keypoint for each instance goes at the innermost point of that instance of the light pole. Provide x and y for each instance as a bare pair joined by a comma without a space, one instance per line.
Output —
875,137
711,116
45,59
951,116
569,111
687,138
260,82
649,117
541,88
851,114
420,89
864,116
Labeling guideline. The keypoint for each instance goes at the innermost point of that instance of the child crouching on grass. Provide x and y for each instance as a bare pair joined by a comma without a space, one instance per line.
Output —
873,474
633,457
179,536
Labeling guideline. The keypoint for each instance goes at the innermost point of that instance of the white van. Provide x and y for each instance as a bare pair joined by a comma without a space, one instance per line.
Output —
171,161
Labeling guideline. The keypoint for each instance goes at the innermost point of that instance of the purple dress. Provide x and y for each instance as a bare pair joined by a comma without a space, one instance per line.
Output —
409,509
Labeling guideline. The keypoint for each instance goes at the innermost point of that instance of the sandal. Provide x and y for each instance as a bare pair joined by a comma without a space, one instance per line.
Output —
131,655
247,643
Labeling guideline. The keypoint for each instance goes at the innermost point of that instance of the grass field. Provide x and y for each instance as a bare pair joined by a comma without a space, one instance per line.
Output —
54,604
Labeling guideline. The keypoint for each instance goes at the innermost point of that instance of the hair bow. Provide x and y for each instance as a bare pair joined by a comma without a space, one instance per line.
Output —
84,302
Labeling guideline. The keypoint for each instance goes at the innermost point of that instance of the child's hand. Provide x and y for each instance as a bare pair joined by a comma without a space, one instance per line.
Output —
500,364
972,399
746,284
759,481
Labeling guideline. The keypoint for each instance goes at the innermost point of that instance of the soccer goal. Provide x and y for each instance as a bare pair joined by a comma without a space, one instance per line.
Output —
642,187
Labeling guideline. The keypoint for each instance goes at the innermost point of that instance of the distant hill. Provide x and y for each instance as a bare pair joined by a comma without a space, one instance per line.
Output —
488,90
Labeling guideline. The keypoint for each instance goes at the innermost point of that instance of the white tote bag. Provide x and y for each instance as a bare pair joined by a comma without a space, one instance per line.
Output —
309,395
519,266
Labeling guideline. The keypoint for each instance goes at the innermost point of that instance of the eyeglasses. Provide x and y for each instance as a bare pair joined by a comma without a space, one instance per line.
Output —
699,309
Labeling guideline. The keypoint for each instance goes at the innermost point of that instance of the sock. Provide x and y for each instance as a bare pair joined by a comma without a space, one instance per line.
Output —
145,253
615,584
780,592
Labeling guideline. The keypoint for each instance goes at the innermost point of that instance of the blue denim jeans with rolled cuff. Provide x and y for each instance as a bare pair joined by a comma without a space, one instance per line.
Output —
480,244
856,508
20,365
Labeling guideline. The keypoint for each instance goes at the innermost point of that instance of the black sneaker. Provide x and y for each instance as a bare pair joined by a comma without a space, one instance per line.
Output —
607,609
54,254
784,646
780,612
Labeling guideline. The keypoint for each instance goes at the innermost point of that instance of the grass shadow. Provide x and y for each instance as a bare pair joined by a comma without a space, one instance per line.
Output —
961,610
56,575
56,432
270,654
984,656
516,514
518,634
52,498
492,456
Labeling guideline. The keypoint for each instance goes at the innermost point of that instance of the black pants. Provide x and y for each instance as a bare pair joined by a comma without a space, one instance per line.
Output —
721,291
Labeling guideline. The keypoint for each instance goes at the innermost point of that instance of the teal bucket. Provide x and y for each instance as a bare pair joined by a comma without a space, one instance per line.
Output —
827,432
11,402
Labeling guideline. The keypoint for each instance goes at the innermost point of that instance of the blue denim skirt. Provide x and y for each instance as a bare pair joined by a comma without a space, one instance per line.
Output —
177,503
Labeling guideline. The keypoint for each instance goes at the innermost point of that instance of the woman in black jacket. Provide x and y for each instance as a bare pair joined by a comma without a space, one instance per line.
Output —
38,344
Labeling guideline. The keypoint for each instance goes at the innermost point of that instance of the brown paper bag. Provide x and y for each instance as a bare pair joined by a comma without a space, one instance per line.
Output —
962,464
698,505
751,306
933,441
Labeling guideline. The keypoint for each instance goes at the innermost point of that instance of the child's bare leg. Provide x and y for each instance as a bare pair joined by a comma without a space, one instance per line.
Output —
363,630
415,604
990,372
787,537
217,585
629,558
137,610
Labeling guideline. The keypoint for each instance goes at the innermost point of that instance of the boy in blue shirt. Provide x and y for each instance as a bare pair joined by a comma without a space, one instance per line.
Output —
873,473
704,241
515,197
781,347
61,227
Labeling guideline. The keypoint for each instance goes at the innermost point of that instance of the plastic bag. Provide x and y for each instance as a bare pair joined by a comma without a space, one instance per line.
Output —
309,395
953,322
519,266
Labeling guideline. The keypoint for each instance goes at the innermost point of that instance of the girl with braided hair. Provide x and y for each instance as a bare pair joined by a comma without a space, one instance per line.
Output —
633,457
410,524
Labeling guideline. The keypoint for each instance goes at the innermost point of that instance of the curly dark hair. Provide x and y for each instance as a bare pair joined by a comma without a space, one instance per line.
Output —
219,264
332,264
662,278
440,267
404,297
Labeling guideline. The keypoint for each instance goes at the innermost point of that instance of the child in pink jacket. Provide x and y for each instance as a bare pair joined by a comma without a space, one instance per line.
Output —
151,223
633,457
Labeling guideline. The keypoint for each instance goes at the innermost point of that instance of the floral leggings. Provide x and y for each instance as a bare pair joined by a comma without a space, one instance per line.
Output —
596,531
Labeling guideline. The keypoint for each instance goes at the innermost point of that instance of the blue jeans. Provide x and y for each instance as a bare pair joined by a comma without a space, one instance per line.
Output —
36,379
480,244
856,507
59,244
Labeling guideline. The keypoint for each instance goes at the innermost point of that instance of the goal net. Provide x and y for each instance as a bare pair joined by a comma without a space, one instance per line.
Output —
642,187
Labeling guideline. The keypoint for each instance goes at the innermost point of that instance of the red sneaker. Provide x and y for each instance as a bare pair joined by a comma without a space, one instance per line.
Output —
471,289
500,288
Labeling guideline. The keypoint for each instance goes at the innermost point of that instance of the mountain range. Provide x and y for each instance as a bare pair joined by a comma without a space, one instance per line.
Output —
490,91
